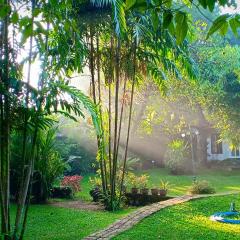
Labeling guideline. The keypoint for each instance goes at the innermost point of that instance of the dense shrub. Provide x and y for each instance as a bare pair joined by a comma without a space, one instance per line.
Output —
48,165
201,187
61,192
79,159
177,157
225,164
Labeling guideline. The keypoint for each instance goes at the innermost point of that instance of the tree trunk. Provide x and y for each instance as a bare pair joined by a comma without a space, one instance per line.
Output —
5,135
129,122
114,162
93,84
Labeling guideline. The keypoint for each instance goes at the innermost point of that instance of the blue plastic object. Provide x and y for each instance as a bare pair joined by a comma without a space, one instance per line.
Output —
220,217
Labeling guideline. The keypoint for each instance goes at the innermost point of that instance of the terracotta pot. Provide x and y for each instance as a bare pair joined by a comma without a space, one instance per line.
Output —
144,191
154,191
163,192
134,190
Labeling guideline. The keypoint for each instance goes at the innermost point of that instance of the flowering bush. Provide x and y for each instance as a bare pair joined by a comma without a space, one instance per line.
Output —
73,182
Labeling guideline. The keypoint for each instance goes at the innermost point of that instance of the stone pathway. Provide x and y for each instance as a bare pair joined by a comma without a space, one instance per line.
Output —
133,218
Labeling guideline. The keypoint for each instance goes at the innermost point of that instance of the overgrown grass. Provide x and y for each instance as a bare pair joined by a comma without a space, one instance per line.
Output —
187,221
55,223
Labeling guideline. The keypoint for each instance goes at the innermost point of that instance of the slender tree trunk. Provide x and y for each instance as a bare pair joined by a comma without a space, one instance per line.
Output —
29,182
34,140
114,164
110,109
24,185
5,134
1,127
129,122
100,111
121,115
99,140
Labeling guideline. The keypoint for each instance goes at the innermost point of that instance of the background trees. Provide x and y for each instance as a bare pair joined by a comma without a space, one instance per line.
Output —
27,111
138,40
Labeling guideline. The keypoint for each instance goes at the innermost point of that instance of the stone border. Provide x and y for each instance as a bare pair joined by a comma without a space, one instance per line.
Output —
133,218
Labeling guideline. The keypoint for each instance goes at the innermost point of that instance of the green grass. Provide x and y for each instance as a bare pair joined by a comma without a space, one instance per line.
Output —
222,181
187,221
53,223
85,188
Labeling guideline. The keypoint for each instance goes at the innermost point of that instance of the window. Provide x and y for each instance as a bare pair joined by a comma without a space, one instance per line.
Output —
216,144
235,152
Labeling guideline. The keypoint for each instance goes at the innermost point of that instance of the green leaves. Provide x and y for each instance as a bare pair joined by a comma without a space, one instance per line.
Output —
130,3
222,23
155,20
235,24
14,17
167,18
119,16
181,26
210,4
5,9
219,23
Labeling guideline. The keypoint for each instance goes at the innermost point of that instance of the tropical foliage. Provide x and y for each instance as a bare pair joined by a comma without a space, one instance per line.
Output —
137,40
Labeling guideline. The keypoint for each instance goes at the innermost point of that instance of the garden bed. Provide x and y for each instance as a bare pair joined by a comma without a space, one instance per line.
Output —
142,199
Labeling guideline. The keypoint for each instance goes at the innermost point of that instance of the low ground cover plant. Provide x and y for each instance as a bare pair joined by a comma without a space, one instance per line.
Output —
201,187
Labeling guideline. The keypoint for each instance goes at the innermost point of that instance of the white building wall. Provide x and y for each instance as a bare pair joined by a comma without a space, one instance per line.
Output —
226,153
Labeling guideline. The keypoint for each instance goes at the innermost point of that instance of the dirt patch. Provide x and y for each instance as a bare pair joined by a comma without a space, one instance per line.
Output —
78,204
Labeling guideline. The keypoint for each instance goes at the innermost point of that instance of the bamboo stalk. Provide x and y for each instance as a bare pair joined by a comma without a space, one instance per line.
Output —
100,111
1,133
110,110
24,186
114,164
129,121
92,68
5,131
34,141
121,116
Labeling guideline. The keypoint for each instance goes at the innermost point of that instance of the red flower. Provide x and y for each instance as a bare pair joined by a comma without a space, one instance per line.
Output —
73,182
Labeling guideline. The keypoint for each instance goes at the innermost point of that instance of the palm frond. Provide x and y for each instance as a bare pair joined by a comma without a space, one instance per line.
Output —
118,7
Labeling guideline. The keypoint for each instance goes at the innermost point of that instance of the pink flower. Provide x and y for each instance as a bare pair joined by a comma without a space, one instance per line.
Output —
73,182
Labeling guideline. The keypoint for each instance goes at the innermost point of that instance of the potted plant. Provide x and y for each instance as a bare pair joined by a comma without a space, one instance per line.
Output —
154,191
143,181
132,180
96,191
164,186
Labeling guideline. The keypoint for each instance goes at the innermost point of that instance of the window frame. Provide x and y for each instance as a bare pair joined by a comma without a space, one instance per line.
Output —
216,144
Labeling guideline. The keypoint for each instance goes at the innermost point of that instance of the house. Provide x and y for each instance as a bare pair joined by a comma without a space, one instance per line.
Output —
220,150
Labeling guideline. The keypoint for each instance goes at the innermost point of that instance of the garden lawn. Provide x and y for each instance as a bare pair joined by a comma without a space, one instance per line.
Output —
54,223
85,188
187,221
222,181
